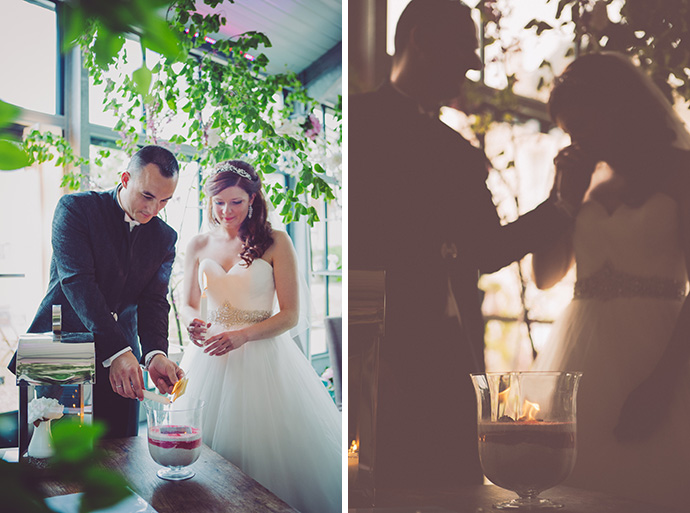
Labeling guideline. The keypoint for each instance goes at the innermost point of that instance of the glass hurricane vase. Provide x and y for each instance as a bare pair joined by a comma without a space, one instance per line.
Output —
174,437
526,425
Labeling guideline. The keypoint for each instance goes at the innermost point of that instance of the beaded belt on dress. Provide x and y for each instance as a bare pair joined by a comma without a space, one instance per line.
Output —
608,283
228,315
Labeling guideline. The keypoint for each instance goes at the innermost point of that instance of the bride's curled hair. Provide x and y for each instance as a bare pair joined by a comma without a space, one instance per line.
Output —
255,231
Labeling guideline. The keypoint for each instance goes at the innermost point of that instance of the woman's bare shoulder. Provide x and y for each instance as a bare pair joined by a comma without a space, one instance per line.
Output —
198,243
280,238
282,245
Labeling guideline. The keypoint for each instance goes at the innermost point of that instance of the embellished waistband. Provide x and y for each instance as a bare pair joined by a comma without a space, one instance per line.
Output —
228,315
608,283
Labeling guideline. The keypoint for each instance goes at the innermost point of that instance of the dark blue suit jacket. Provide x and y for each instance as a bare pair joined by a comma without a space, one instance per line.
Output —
99,268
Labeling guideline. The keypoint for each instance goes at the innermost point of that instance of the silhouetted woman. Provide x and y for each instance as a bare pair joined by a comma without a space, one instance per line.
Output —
628,324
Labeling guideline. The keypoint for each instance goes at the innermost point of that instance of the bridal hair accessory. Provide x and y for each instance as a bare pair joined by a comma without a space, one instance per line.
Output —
234,169
250,211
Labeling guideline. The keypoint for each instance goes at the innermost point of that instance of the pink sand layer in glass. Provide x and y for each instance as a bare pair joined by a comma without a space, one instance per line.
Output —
174,446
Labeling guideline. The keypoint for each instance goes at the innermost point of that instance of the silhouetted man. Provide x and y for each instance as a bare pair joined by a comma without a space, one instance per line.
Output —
419,208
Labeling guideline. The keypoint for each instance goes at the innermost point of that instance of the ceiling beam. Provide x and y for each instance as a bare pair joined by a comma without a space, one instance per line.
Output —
323,77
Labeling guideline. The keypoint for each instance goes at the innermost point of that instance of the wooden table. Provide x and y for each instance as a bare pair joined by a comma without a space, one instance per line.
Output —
480,498
219,486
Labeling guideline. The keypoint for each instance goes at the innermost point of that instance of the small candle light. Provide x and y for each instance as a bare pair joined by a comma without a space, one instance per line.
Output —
352,463
81,406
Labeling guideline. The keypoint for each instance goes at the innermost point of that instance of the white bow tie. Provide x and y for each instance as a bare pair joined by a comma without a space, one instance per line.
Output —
132,223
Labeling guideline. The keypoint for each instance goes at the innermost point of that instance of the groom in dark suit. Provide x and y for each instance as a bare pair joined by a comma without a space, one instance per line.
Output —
419,208
110,268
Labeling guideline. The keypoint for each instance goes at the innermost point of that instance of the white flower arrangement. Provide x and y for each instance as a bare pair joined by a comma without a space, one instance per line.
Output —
290,127
44,408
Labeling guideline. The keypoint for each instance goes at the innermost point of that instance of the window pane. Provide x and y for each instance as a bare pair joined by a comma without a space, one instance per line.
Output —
29,39
335,263
317,335
24,257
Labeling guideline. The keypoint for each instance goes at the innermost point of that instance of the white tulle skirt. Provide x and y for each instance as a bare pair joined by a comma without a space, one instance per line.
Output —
616,344
268,412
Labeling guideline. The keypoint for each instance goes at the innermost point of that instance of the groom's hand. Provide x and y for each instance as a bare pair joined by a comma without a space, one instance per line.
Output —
164,373
126,377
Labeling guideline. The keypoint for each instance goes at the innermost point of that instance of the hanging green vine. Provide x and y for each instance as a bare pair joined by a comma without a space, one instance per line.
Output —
220,94
228,106
655,31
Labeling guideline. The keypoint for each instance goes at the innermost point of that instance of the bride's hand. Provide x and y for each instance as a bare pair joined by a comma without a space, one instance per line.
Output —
225,342
197,332
574,171
644,409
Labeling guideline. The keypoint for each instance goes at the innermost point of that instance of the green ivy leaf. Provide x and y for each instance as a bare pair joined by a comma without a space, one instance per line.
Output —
541,26
8,113
106,46
561,6
73,441
161,39
261,60
313,216
142,80
12,156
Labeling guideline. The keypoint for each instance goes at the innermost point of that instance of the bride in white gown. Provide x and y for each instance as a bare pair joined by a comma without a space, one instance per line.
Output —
627,328
267,410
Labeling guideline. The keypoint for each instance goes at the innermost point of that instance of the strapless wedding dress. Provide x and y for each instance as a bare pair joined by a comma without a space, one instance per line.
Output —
631,281
267,411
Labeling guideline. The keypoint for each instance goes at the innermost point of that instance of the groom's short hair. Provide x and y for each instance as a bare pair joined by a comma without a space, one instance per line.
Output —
429,16
163,158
